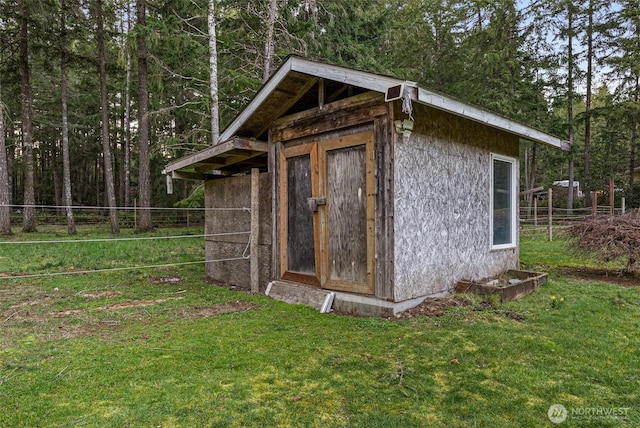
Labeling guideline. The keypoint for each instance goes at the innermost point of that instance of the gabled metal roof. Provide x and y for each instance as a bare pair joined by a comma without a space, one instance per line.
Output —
297,75
290,90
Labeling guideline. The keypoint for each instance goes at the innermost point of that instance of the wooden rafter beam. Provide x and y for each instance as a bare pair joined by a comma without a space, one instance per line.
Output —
251,147
290,101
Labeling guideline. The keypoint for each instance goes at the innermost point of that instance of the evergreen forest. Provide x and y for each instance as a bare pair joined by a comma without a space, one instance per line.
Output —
97,96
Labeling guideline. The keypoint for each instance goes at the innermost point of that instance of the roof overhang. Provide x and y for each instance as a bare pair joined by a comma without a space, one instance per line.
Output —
290,83
488,118
235,156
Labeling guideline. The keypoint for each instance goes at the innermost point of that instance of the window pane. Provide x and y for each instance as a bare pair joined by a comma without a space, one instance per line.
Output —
300,243
502,215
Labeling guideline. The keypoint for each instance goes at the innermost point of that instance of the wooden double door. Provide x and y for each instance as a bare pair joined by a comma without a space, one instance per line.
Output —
327,208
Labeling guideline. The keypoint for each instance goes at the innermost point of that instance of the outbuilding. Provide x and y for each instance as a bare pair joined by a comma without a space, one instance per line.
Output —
369,186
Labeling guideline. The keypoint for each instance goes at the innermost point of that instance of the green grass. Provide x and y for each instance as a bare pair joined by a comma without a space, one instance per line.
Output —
125,348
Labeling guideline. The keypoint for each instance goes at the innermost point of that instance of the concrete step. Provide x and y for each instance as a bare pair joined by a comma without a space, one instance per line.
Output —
300,294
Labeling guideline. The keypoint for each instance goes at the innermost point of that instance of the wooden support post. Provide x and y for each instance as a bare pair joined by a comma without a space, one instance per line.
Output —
532,193
594,203
612,200
535,211
624,201
550,214
321,93
255,230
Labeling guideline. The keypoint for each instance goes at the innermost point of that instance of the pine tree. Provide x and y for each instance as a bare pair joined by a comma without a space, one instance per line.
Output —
213,72
272,13
29,212
104,108
625,63
66,165
5,209
144,180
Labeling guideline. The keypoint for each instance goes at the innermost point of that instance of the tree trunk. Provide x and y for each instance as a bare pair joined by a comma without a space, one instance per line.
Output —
587,123
104,106
66,165
11,162
268,45
29,212
127,136
144,181
634,140
213,76
127,122
5,190
570,106
54,167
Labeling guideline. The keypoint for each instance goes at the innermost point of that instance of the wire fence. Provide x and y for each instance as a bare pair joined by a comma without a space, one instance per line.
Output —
535,220
169,218
128,217
562,216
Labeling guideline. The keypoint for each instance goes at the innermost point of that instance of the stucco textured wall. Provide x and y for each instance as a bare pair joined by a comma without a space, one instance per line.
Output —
442,204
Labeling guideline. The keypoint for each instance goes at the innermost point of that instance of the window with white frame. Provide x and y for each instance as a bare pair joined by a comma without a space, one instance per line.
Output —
503,202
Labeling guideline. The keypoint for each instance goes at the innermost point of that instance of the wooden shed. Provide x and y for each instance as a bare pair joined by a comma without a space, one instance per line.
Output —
369,186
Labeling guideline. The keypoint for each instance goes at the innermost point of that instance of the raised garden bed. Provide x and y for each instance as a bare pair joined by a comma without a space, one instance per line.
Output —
511,285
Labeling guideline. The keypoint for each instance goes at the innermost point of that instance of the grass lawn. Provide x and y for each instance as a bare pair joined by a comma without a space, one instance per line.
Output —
161,347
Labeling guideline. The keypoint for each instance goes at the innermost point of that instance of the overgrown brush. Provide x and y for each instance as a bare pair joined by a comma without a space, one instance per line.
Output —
609,237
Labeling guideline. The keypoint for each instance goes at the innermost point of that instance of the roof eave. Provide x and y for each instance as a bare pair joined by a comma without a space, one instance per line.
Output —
488,118
377,83
365,80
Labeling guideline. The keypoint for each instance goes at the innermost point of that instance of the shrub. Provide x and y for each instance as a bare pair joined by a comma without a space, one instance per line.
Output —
609,237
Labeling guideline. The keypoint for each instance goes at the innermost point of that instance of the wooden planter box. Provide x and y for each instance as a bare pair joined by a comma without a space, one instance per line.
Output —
511,285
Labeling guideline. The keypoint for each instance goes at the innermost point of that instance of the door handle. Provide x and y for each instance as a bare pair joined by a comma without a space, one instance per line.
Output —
314,203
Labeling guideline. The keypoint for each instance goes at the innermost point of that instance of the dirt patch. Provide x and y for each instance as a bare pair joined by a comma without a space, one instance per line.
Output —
175,279
114,307
31,303
17,294
99,294
432,307
21,312
510,314
215,310
70,331
70,323
614,276
24,310
437,307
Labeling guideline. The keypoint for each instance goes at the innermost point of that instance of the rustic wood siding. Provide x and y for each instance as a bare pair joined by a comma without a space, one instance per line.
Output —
300,232
442,204
347,191
340,119
235,192
384,240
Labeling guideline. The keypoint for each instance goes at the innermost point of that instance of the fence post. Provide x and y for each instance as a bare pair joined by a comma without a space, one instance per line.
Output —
255,230
550,214
535,211
623,204
594,203
135,214
611,196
